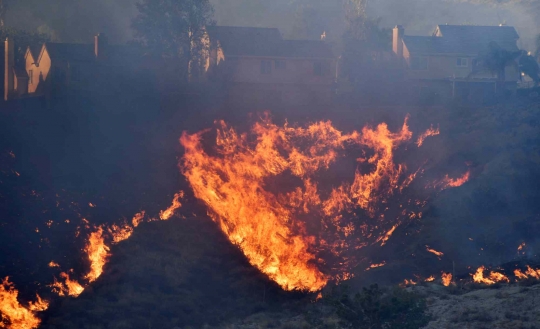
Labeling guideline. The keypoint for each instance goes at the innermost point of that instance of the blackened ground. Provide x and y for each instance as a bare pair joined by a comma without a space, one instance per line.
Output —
121,153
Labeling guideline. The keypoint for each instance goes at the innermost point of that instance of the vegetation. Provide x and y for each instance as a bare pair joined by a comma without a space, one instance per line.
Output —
377,308
174,28
22,39
364,41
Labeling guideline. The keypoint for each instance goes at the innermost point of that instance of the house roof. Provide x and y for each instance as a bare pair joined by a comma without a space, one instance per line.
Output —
70,51
463,39
265,42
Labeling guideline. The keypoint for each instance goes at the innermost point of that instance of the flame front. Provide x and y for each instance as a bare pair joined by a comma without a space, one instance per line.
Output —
12,314
493,277
97,253
284,232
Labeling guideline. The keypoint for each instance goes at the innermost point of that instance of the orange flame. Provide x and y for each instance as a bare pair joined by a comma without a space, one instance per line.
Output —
53,264
375,266
169,212
263,189
138,218
446,279
493,277
430,279
68,287
435,252
448,182
120,233
16,315
430,132
98,253
520,275
267,226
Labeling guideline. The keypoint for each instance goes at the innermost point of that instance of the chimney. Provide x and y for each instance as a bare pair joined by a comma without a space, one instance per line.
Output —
397,43
8,68
100,45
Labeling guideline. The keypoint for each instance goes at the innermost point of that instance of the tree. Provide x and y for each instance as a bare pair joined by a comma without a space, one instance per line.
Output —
364,40
174,28
22,39
529,66
495,60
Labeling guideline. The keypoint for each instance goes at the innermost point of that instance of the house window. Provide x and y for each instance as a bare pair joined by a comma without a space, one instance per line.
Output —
419,63
462,62
31,76
266,67
280,65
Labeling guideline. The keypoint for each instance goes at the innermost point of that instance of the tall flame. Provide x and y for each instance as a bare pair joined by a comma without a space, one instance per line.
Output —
280,231
12,314
98,253
430,132
169,212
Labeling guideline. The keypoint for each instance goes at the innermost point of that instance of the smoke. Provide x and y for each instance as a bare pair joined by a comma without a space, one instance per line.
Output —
78,21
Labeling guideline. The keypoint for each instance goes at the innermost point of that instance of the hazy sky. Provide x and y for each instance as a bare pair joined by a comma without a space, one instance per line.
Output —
79,20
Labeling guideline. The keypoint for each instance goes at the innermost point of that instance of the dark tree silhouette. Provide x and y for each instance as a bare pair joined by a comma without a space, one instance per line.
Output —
173,28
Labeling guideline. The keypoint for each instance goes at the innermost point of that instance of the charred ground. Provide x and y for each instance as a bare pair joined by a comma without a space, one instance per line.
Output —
121,155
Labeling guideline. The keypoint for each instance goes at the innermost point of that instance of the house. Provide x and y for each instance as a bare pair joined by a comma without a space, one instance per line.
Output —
447,62
53,69
259,68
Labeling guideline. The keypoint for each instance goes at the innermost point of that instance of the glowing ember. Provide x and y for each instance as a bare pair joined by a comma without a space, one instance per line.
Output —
98,254
493,277
375,266
430,132
448,182
167,214
68,287
430,279
12,314
446,279
263,189
435,252
53,264
409,283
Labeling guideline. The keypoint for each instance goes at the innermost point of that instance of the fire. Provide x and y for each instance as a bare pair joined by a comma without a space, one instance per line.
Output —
283,231
169,212
430,132
375,266
120,233
430,279
98,253
520,275
12,314
493,277
138,218
53,264
409,283
446,279
435,252
68,287
448,182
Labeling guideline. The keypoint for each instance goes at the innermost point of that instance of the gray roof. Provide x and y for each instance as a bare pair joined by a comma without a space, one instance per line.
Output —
265,42
463,39
71,51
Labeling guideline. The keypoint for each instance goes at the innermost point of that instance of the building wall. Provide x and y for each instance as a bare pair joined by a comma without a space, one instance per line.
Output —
444,67
39,72
296,71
